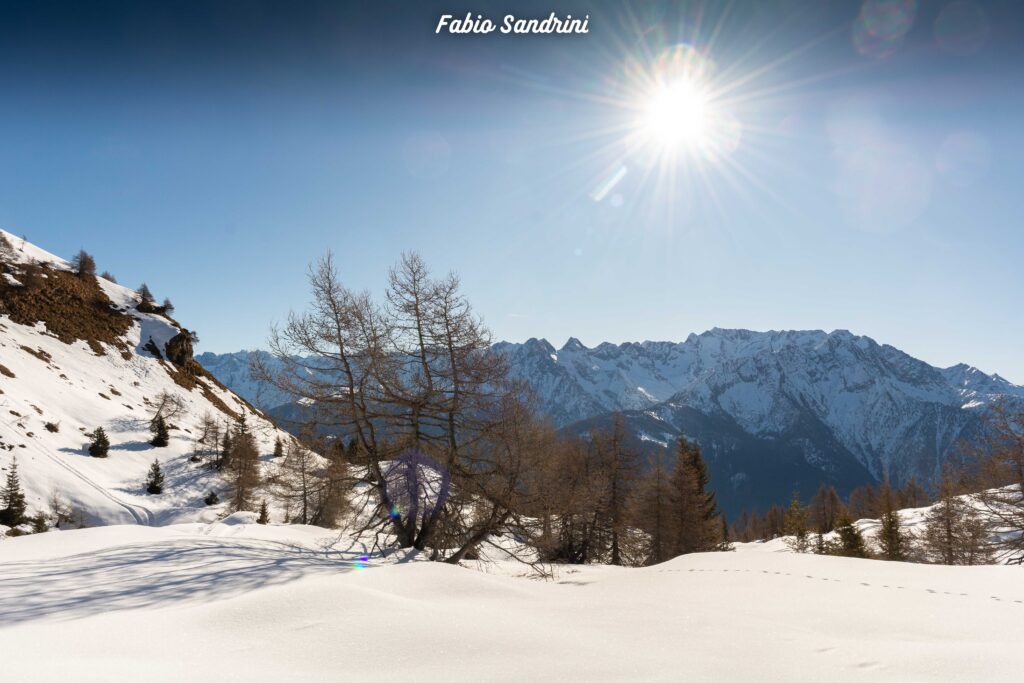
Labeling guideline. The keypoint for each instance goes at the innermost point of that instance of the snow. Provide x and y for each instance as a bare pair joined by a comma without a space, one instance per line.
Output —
77,391
271,603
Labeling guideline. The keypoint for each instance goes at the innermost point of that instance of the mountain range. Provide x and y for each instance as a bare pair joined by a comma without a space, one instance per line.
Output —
773,411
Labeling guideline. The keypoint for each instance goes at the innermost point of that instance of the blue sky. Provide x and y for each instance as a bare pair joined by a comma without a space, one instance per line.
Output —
215,149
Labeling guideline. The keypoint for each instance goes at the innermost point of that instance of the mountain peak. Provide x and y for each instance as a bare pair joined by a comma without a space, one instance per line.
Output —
573,344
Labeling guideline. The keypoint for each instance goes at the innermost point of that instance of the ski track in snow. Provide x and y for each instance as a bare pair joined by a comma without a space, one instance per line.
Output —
141,514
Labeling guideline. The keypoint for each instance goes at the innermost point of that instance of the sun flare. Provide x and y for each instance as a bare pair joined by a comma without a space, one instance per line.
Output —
677,114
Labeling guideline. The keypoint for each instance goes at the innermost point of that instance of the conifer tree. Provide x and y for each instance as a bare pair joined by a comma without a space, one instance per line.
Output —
100,444
161,437
796,526
224,457
278,448
850,542
697,512
39,524
155,480
264,513
12,498
168,306
211,498
892,540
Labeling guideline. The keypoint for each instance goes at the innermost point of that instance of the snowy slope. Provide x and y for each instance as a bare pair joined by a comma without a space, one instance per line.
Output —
70,386
255,603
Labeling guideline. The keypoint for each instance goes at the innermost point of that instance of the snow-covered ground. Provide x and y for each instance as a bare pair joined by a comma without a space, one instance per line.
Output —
74,390
271,603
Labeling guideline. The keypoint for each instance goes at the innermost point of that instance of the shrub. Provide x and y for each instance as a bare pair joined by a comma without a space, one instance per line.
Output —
212,498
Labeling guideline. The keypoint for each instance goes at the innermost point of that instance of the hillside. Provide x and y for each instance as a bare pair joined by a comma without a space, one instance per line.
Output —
76,354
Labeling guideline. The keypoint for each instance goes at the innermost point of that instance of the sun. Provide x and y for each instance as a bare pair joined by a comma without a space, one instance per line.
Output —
676,115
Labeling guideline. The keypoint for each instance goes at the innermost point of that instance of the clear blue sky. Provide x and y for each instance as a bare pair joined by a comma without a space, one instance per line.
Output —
215,149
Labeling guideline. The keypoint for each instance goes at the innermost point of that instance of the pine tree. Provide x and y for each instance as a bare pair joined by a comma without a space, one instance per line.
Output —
13,498
161,437
224,457
100,444
211,498
278,448
168,306
850,542
892,540
796,526
39,524
697,512
155,480
264,517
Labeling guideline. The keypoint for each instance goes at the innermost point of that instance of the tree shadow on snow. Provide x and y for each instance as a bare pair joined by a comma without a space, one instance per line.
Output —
132,446
151,575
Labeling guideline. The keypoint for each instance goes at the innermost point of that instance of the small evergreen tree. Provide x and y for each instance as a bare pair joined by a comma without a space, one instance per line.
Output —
892,540
796,526
12,498
264,517
211,498
278,448
161,437
39,524
850,542
155,480
168,306
224,457
100,444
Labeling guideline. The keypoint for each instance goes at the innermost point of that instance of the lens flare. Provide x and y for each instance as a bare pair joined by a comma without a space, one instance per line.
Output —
676,114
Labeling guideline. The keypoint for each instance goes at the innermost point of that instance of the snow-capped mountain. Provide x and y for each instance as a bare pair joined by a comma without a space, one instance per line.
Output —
76,353
838,404
774,411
